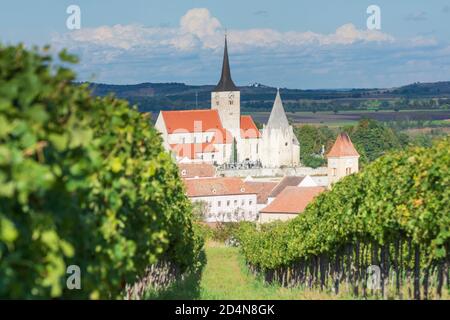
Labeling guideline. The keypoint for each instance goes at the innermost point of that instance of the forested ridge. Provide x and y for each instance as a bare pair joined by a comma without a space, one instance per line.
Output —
153,97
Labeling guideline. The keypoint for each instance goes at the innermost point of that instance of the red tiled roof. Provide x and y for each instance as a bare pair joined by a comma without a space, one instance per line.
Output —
343,147
192,170
293,200
287,181
221,136
262,189
216,187
248,128
189,150
191,120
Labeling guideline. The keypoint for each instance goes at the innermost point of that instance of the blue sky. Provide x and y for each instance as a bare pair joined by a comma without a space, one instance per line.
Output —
285,43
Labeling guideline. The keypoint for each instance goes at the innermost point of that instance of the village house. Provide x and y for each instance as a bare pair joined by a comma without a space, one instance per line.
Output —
262,190
289,203
226,199
230,199
290,181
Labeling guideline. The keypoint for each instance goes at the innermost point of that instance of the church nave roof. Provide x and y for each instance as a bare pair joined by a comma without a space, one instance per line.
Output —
278,118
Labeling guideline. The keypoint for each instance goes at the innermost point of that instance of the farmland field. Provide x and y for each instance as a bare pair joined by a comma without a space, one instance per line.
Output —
350,117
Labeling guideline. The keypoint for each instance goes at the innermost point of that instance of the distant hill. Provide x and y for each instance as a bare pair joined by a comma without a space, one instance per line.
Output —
166,96
424,89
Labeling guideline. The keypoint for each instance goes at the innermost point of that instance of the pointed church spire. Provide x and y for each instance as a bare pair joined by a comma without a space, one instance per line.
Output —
225,83
278,119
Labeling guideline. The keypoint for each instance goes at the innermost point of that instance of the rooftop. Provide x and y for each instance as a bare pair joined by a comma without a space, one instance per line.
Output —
262,189
293,200
216,187
193,170
288,181
183,121
278,118
343,147
249,128
225,83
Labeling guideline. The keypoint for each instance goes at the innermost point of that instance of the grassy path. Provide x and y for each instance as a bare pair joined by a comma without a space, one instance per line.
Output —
225,277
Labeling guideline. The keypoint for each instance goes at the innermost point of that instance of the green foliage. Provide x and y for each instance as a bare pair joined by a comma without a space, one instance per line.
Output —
83,181
225,231
401,196
372,139
312,138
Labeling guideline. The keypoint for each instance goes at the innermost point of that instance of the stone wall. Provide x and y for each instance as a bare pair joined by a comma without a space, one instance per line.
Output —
274,172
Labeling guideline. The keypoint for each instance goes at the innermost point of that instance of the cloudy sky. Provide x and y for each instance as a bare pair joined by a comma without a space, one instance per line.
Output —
283,43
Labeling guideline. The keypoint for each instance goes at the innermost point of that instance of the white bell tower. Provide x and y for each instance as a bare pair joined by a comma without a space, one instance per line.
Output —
226,98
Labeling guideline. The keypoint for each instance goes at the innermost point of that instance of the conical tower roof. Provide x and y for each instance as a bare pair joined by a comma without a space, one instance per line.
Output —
278,119
343,147
225,83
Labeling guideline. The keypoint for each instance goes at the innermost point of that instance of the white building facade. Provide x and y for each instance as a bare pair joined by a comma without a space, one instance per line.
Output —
226,199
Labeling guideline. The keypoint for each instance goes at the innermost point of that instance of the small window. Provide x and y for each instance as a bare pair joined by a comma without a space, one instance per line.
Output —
235,202
219,203
250,202
348,171
183,172
228,203
286,144
334,172
242,202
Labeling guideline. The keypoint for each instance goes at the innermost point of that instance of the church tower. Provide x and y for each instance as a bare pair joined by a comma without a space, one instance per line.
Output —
343,159
280,146
226,98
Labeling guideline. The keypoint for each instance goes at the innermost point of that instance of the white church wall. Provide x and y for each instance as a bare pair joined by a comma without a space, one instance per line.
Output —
181,137
161,127
248,149
279,148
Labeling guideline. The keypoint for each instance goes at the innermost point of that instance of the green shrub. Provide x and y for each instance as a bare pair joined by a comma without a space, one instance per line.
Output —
83,181
400,202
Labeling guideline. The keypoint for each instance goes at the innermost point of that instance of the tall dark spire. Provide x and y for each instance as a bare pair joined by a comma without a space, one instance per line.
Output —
225,83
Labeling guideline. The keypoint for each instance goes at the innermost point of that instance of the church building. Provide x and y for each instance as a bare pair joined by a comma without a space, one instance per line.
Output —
222,135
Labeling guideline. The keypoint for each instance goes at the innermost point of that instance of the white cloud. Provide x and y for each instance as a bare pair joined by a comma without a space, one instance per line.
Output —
198,29
192,51
200,23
